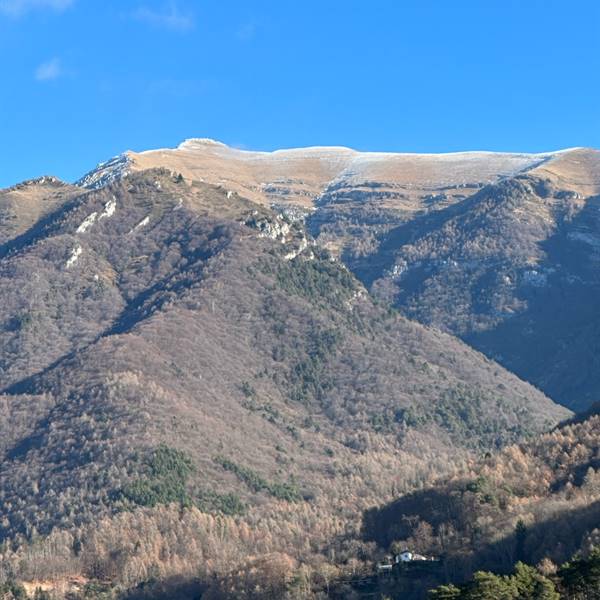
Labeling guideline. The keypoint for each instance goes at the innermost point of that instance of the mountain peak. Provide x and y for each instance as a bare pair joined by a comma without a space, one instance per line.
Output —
44,180
193,143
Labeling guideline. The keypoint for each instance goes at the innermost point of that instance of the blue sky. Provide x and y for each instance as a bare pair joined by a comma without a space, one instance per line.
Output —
83,80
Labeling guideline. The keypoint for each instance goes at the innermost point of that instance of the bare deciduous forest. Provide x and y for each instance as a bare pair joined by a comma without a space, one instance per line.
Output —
198,400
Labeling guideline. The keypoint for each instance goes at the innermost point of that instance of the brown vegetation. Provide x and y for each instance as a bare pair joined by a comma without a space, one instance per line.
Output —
180,399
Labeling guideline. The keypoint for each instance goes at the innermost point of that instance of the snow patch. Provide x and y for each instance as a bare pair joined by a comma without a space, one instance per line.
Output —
106,172
87,223
75,254
109,208
192,144
141,224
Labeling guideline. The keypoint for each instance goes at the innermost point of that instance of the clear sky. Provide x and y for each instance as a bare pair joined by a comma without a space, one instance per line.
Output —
83,80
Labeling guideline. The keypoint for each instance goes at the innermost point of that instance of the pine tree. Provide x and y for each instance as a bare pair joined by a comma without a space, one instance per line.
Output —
487,586
446,592
520,536
581,577
532,585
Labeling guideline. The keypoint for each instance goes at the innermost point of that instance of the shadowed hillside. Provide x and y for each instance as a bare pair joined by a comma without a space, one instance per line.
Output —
536,501
513,271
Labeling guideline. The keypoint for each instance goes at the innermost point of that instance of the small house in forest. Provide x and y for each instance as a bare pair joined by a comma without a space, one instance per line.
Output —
409,556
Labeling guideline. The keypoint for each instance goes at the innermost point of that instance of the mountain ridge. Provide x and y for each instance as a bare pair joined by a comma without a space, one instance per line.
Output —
343,159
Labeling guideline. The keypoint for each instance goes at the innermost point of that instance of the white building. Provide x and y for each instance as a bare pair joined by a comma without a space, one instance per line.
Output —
408,556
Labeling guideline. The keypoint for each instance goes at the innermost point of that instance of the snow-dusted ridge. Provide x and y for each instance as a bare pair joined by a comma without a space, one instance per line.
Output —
341,163
106,172
195,144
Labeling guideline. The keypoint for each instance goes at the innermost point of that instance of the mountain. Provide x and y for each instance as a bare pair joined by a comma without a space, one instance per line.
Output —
184,363
500,249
